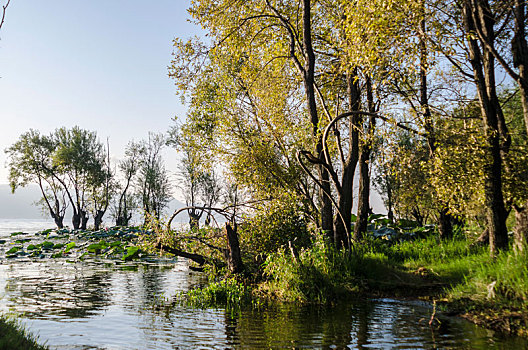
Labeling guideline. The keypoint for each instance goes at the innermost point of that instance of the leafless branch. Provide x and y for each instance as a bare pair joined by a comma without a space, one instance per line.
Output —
4,8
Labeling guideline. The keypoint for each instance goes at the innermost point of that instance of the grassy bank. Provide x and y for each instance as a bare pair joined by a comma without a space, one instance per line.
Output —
13,336
464,279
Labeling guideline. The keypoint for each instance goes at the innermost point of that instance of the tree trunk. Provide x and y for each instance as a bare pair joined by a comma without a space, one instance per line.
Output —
520,231
496,212
364,171
483,239
58,220
477,17
309,81
76,220
84,219
233,256
98,219
445,224
364,192
520,61
343,222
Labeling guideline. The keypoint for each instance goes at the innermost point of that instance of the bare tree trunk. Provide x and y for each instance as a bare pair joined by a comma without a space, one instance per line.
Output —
520,61
309,81
76,220
84,219
58,220
364,171
364,192
477,17
98,219
520,231
343,222
445,224
233,256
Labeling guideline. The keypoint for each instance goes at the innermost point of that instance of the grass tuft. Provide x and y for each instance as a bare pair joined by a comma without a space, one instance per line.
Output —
14,336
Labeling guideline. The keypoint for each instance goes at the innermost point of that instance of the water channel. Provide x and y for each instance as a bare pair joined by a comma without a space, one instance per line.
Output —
110,305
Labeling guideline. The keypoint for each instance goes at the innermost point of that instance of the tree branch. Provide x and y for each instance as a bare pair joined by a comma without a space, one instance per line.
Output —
4,8
197,258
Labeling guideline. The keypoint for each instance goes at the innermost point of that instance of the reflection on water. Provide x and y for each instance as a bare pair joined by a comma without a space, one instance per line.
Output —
109,306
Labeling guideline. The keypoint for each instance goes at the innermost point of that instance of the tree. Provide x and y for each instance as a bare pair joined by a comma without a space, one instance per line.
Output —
100,190
152,182
477,17
199,182
515,64
30,161
276,46
80,159
129,168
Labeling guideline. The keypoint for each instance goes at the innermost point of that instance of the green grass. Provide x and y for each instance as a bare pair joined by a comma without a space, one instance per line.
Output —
502,282
420,267
448,260
13,336
227,292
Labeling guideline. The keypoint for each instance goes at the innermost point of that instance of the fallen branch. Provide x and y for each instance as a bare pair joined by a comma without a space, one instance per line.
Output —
197,258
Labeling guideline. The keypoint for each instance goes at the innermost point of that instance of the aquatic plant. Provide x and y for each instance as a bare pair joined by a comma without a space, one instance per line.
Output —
228,292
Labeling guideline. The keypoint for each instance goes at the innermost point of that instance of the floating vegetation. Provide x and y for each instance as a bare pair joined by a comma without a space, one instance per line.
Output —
117,243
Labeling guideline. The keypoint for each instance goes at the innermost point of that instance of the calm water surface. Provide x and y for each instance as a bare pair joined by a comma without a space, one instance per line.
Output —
111,306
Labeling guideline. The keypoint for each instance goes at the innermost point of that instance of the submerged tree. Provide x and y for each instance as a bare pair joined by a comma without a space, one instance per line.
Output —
30,161
152,182
65,164
198,180
129,167
80,159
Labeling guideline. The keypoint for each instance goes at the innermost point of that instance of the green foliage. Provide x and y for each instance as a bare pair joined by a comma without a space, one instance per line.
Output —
69,247
272,227
318,274
14,249
495,284
152,182
131,253
69,165
228,293
15,336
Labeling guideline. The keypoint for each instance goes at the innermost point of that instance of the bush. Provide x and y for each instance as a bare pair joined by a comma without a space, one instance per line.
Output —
318,274
272,228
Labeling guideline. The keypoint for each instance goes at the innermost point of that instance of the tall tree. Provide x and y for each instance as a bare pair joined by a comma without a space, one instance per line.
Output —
478,17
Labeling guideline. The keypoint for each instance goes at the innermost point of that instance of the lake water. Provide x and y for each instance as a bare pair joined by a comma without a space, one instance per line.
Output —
89,305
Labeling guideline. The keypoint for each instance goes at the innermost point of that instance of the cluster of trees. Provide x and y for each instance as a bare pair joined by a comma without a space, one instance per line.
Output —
300,101
72,169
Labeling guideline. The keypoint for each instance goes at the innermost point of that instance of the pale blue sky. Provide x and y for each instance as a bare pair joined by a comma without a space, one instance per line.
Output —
99,64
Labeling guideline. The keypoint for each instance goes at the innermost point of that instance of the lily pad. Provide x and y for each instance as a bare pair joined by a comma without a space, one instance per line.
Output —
46,245
13,250
17,233
132,253
69,246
